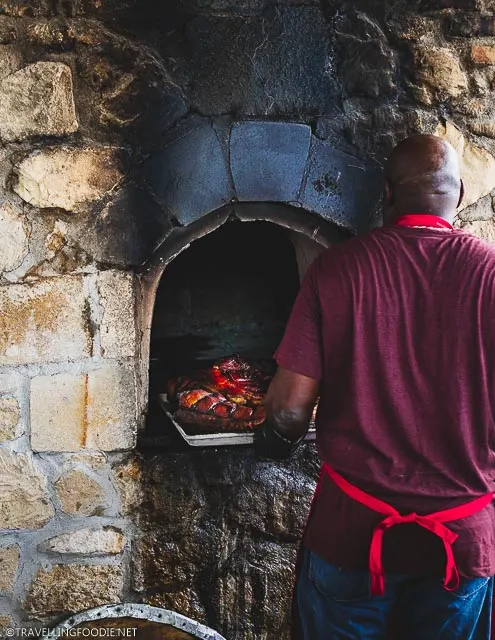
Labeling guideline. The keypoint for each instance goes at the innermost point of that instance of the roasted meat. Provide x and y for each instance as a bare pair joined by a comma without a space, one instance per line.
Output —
226,397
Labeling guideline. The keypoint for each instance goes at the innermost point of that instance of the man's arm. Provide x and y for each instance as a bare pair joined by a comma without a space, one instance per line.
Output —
289,405
293,391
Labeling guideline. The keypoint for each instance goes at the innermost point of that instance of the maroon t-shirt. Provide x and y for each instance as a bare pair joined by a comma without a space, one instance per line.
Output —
399,327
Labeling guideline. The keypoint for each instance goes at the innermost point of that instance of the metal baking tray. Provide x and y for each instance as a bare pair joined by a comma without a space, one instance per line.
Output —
214,439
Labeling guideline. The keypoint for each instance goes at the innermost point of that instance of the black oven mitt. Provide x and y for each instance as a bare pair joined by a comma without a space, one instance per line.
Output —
269,443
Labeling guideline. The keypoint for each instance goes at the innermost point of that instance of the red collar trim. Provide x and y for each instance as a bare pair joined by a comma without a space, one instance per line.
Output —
422,220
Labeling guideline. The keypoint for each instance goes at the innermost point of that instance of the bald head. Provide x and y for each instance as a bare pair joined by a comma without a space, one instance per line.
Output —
423,176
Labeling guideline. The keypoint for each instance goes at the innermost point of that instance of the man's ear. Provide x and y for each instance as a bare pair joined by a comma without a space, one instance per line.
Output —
461,194
389,196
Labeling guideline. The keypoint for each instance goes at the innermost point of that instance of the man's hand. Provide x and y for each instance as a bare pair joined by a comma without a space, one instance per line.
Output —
289,405
269,443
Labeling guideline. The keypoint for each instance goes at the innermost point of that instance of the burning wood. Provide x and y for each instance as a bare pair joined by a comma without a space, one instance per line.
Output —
226,397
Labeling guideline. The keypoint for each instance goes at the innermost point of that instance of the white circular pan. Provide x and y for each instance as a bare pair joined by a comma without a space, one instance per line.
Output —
141,611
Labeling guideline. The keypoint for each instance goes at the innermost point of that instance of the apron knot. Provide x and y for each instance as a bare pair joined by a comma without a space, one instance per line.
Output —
431,522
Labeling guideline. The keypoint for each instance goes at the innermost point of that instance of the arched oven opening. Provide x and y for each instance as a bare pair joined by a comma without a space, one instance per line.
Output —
227,295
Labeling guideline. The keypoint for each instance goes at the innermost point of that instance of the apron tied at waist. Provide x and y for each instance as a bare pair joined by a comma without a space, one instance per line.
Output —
432,522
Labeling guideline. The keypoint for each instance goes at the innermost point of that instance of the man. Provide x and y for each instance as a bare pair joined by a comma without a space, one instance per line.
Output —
395,332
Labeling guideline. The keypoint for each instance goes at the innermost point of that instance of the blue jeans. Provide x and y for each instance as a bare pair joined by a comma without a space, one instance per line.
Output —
335,604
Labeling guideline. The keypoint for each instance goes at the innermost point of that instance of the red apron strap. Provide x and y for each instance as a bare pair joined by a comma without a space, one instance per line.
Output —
431,522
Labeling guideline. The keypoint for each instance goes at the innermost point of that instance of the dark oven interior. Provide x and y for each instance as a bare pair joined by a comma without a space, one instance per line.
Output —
230,292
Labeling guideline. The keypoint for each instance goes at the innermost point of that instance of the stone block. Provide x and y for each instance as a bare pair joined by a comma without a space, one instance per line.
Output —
277,62
185,601
368,66
484,229
10,60
111,408
341,188
103,541
267,159
37,101
58,412
435,5
127,230
6,622
480,128
10,383
24,501
469,24
93,410
439,73
190,176
117,301
68,178
127,479
92,459
10,415
255,578
483,54
9,562
79,494
275,502
14,233
74,587
482,209
477,165
44,322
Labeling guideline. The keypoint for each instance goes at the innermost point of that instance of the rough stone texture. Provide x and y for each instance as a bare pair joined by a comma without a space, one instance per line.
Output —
117,326
340,187
218,536
477,165
10,415
37,101
10,60
111,408
269,53
280,512
126,231
80,494
9,562
367,63
483,54
44,322
58,412
268,159
483,128
91,459
94,410
185,600
440,74
107,540
127,478
6,622
190,175
71,588
13,237
484,229
10,383
253,591
482,209
24,501
431,5
468,24
69,179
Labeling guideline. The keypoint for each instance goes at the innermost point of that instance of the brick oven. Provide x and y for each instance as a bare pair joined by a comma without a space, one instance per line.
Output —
167,173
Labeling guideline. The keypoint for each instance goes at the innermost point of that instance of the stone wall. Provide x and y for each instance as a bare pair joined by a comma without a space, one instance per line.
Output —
90,90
